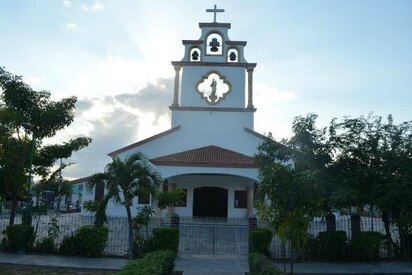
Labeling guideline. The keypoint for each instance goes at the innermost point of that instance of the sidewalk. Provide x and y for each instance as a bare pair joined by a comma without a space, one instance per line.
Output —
63,261
207,265
349,268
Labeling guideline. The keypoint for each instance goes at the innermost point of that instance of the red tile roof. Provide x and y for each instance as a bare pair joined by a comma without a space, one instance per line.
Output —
210,156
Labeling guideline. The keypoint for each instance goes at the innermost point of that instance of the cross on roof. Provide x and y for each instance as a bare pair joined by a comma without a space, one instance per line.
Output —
215,10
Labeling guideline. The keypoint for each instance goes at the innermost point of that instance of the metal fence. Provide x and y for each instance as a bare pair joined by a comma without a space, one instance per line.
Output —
117,244
281,250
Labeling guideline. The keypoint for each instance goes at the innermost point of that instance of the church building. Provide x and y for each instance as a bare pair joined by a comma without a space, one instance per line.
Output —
209,149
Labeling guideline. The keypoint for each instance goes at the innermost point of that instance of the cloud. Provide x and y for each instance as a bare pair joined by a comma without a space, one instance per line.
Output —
67,3
97,6
70,26
116,121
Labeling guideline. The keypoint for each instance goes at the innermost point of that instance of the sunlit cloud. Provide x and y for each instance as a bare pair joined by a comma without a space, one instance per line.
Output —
71,26
97,6
67,3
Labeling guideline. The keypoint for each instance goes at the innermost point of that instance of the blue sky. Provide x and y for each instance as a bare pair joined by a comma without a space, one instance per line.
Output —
333,58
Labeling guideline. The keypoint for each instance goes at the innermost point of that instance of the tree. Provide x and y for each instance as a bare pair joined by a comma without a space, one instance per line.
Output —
291,174
373,168
124,180
26,118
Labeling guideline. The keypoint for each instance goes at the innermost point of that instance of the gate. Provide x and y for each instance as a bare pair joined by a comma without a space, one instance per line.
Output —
213,239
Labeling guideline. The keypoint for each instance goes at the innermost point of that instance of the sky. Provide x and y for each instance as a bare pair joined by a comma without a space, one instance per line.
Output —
333,58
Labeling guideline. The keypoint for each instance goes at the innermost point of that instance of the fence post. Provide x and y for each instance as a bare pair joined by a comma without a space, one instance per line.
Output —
355,225
174,221
330,222
252,223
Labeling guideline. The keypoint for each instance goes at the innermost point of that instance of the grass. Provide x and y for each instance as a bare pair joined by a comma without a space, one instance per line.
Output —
6,269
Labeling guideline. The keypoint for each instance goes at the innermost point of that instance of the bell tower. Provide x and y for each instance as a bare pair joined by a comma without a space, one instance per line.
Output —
213,81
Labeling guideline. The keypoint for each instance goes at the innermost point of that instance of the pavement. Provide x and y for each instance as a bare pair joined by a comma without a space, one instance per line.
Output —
349,268
206,265
63,261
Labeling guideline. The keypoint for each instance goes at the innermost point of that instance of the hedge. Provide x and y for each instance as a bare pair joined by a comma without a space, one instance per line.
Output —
166,238
19,238
259,241
333,246
259,264
159,262
365,247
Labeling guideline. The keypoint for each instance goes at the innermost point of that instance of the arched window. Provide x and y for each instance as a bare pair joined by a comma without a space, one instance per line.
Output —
214,44
195,54
233,55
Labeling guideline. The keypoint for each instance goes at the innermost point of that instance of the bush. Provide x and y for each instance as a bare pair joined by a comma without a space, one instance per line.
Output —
45,245
70,245
141,246
19,237
89,240
166,238
259,241
159,262
92,240
260,264
333,246
365,247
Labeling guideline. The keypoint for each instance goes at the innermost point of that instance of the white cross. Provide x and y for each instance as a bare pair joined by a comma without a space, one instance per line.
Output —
215,10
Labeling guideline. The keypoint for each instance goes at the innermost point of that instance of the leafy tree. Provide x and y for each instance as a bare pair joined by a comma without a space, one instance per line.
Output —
124,180
26,118
291,174
374,168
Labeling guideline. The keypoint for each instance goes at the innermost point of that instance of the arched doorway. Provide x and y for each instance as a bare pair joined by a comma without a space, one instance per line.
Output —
210,202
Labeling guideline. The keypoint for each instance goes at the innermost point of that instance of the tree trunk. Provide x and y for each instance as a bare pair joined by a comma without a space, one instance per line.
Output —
130,224
13,208
386,223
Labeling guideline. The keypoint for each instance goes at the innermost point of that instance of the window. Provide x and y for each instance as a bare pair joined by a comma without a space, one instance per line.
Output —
240,199
184,199
214,44
232,55
144,199
195,55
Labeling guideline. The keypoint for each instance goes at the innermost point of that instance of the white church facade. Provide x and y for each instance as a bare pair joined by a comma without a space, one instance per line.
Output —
209,149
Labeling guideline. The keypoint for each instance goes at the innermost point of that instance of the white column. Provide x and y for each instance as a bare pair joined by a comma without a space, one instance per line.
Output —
176,92
171,209
249,87
250,201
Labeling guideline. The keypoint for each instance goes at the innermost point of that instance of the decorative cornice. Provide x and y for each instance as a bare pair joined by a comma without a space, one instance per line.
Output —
144,141
212,109
214,25
222,64
236,43
192,42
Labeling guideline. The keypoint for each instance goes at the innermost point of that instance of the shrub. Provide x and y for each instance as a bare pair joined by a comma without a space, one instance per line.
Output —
141,246
333,245
366,245
19,237
159,262
92,240
259,240
259,264
166,238
70,245
89,240
312,248
45,245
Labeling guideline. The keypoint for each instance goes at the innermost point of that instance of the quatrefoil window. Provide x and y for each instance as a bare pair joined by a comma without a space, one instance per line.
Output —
213,87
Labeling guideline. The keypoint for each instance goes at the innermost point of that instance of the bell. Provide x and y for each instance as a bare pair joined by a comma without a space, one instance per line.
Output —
232,56
195,55
214,44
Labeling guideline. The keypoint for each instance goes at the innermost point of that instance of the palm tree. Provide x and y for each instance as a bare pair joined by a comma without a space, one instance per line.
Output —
125,180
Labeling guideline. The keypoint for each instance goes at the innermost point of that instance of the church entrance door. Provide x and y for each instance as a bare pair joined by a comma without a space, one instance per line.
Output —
210,202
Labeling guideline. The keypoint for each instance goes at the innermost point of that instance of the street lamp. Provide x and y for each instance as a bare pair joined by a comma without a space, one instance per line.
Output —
27,214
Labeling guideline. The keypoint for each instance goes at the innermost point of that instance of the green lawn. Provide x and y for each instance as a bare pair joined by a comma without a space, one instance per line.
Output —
36,270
